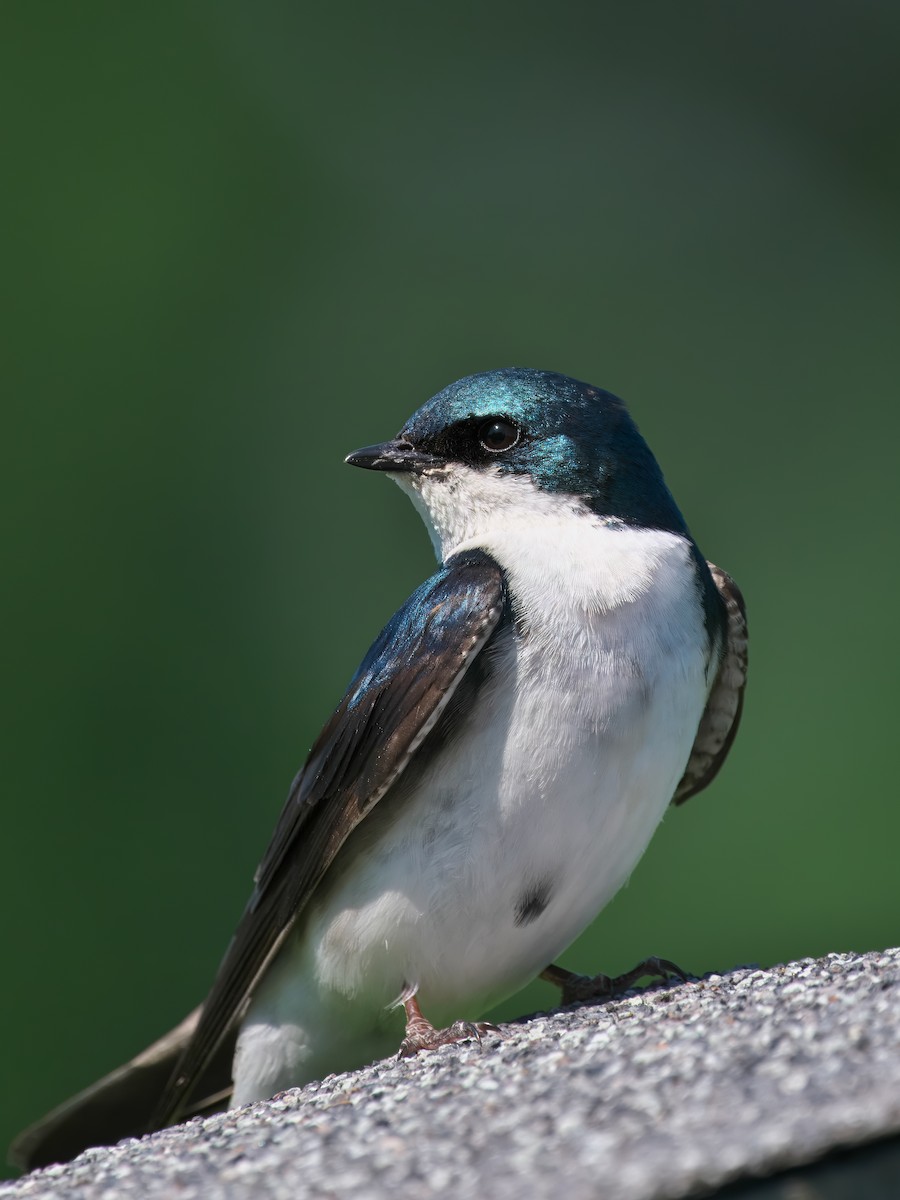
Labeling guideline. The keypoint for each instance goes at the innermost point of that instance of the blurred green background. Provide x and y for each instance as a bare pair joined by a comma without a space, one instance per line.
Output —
242,239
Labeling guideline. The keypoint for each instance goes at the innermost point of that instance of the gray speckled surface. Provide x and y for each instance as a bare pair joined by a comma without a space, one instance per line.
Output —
664,1093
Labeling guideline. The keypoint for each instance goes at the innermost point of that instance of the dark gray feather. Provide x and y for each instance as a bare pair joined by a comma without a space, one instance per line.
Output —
398,694
722,714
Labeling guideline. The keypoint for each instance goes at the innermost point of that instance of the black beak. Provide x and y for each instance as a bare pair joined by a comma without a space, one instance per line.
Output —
392,456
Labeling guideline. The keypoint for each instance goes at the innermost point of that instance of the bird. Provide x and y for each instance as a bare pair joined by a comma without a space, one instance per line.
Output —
492,775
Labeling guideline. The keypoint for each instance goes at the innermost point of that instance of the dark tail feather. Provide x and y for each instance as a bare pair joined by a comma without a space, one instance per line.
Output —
122,1103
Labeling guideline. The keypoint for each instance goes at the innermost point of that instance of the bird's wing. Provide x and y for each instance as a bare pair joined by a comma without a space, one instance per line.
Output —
395,699
722,714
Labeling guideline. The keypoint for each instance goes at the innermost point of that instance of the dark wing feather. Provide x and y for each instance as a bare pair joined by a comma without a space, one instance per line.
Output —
394,700
722,714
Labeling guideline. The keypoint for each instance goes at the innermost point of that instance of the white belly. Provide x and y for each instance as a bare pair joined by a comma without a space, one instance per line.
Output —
517,834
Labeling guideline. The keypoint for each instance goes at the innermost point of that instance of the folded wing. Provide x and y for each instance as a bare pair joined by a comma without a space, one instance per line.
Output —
395,699
722,714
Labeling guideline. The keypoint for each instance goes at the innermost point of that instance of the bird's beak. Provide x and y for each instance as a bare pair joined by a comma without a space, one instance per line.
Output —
397,455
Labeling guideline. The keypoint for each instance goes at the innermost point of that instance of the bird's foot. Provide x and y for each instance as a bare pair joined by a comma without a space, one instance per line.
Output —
422,1035
576,989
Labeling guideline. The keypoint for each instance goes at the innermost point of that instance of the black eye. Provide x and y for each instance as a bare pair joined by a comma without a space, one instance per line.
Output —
497,435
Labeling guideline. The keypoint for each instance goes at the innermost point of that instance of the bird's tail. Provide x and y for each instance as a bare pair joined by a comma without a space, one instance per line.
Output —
122,1103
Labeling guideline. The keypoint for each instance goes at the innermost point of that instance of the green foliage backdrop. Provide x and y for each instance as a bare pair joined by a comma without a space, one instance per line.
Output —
242,239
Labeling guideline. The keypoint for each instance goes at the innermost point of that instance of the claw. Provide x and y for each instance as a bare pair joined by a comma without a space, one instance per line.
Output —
422,1035
578,988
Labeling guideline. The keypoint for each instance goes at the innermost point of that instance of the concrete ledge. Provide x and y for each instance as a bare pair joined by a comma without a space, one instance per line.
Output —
670,1092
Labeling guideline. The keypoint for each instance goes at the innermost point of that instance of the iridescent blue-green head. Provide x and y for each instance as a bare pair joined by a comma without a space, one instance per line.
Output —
568,438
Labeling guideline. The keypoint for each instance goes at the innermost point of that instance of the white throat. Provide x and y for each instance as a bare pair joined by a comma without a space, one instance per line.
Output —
554,541
460,504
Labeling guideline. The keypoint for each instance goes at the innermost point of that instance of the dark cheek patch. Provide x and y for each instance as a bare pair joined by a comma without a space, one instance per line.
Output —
533,901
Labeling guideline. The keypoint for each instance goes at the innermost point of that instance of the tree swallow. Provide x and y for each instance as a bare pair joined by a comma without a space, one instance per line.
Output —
493,774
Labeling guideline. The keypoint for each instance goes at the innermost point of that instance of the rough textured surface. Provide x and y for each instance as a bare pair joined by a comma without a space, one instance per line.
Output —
669,1092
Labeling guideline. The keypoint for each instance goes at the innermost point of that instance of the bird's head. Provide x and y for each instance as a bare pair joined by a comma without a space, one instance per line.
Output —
507,444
